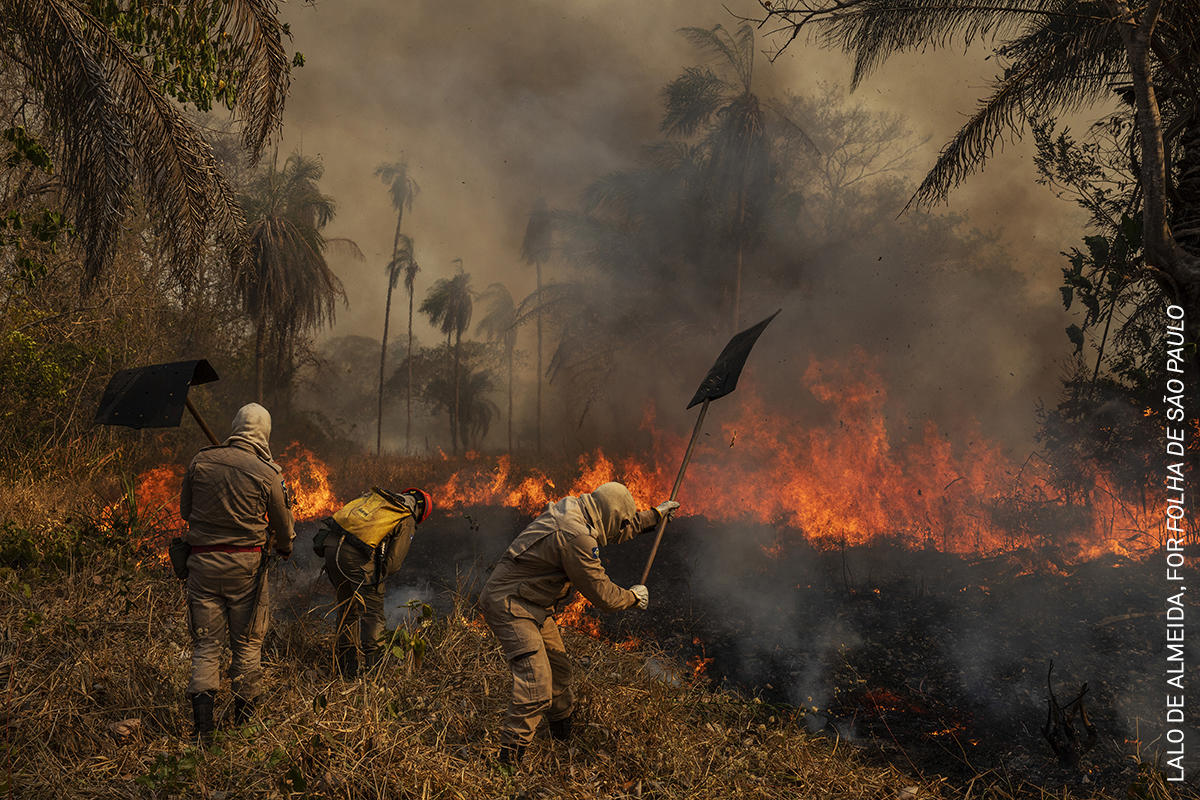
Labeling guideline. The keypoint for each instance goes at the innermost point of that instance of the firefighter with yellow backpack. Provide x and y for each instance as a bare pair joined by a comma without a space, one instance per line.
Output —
362,544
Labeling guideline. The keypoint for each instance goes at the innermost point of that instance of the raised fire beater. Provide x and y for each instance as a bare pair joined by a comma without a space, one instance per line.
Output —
557,551
363,543
237,507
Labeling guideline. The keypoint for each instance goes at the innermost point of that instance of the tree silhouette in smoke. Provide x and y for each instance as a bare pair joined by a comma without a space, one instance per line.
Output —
402,190
285,284
500,324
733,158
536,249
449,306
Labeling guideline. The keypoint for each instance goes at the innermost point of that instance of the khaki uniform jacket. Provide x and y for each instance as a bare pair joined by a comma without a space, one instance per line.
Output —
232,496
559,550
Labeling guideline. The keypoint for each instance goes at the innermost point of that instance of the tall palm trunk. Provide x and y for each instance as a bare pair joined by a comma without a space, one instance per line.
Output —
408,410
453,353
455,433
387,313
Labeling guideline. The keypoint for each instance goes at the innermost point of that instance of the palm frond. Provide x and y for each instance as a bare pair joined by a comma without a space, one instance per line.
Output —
735,50
874,30
606,243
673,157
402,188
286,278
450,304
499,322
254,26
614,194
404,262
1056,66
691,100
120,132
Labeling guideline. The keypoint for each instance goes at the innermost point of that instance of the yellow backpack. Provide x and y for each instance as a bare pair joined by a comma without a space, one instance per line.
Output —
372,517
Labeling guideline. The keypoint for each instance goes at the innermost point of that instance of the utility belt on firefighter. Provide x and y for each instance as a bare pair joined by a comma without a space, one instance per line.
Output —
348,539
224,548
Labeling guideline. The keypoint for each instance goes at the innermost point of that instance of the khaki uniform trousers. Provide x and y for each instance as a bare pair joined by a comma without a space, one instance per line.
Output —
541,677
223,598
361,618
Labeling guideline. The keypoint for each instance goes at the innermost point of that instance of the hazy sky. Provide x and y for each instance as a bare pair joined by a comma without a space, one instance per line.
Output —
495,104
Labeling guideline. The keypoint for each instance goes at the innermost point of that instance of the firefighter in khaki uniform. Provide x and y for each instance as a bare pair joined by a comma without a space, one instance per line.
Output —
558,550
363,543
236,506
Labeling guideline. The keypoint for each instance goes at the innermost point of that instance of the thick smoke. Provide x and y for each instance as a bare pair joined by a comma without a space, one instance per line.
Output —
496,106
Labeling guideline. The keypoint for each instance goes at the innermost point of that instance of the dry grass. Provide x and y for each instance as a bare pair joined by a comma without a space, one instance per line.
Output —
102,641
85,650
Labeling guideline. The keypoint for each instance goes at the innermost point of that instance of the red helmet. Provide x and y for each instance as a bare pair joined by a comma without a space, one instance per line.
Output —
424,504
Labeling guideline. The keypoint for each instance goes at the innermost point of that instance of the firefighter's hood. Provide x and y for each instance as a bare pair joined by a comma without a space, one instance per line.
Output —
609,508
252,426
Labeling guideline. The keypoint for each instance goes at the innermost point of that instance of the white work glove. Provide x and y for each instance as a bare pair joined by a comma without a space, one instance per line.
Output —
666,509
642,594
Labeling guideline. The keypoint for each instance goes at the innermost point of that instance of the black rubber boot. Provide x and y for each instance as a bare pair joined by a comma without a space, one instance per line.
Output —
560,729
510,758
347,664
243,710
202,715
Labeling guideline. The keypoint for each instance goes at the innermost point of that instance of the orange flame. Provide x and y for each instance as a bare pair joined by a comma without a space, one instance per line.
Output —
576,617
308,481
699,665
157,491
850,481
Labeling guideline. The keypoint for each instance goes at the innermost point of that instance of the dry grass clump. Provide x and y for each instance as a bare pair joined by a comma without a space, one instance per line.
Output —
94,662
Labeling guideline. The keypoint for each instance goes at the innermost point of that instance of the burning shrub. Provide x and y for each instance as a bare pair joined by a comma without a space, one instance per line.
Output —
1029,516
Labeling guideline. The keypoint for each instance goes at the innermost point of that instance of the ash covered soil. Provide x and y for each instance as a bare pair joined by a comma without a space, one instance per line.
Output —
935,663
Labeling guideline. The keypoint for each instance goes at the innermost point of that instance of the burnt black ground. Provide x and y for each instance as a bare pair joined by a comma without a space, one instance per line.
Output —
935,662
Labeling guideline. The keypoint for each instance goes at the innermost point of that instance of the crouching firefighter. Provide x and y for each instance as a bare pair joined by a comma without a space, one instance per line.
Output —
237,506
362,544
558,550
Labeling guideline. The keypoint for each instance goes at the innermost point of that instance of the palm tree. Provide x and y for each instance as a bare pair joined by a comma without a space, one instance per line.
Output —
721,105
1054,58
403,261
105,86
403,190
285,283
535,249
410,285
500,323
449,305
475,409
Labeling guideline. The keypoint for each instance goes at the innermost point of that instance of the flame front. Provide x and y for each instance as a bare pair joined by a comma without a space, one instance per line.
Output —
846,482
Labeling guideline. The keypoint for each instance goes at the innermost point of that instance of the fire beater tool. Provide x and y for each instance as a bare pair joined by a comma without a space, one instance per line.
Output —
155,396
722,379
